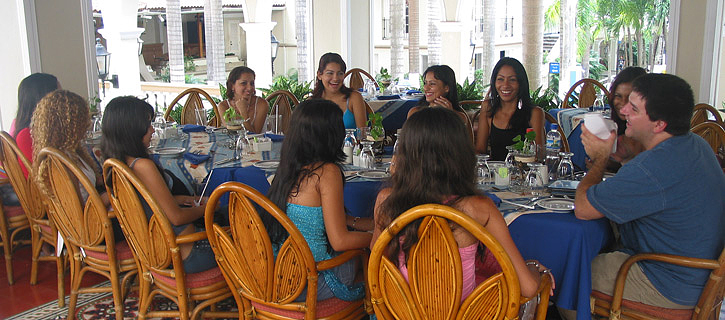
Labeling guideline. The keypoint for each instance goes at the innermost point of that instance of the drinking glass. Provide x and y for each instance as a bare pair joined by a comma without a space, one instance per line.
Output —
241,147
363,133
367,156
483,171
534,179
565,171
200,114
509,161
598,103
501,174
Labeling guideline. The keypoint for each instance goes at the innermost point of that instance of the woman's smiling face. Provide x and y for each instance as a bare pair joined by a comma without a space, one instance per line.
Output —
433,87
331,76
507,84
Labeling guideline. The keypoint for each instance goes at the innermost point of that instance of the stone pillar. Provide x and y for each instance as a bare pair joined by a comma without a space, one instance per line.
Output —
259,51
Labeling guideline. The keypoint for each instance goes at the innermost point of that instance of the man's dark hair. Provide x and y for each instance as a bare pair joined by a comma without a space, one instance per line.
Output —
668,98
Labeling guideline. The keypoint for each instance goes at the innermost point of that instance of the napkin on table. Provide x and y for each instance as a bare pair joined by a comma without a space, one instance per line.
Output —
196,158
412,92
391,97
193,128
274,137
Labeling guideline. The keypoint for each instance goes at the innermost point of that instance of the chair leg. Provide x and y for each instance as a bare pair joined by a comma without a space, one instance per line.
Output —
143,297
117,289
75,284
8,246
37,244
61,280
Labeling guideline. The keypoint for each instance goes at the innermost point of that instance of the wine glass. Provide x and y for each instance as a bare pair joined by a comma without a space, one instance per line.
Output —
565,171
367,156
509,161
534,179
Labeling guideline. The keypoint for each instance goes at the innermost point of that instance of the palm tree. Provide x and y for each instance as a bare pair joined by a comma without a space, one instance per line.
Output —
301,22
533,39
397,28
588,29
567,40
413,37
213,27
434,34
176,41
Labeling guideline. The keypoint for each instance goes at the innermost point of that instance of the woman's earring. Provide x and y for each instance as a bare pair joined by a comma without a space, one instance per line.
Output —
519,106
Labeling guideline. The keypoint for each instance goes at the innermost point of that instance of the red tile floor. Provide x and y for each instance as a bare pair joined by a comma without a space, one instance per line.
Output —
22,296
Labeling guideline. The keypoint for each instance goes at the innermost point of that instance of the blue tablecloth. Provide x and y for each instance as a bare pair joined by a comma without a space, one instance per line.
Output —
395,112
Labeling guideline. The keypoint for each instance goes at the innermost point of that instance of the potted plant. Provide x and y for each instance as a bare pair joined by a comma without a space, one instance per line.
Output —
384,78
233,119
525,148
377,132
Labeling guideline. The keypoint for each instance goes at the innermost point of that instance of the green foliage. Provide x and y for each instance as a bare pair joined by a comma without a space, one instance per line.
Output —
597,70
375,122
231,114
528,138
93,103
175,112
473,90
546,99
189,64
384,78
223,91
300,90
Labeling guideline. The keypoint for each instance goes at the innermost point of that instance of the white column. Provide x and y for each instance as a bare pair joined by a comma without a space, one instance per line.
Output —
455,42
124,59
259,51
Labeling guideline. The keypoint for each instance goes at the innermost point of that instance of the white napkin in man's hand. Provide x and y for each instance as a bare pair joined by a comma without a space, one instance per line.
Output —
600,127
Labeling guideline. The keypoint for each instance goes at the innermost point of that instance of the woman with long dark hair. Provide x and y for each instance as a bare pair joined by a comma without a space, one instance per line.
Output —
241,95
308,187
432,165
329,85
619,92
439,87
508,111
127,134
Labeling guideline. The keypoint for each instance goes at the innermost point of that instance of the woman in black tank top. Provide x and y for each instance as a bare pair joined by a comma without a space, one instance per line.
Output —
508,111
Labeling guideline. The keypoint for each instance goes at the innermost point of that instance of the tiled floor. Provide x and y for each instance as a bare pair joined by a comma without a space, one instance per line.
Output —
22,296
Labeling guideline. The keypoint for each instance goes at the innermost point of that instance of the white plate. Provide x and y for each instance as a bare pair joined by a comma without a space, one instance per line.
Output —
556,204
564,184
267,164
173,151
373,174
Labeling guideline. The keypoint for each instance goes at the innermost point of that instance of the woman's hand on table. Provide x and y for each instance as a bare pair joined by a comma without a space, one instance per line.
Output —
534,265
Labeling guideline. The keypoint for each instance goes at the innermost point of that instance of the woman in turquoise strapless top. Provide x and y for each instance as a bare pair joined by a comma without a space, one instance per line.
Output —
308,186
330,85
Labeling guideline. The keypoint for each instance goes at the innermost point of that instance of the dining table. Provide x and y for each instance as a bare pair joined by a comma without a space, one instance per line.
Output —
394,109
557,239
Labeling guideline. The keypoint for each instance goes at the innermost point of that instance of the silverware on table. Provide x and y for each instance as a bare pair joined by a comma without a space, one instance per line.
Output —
518,204
224,161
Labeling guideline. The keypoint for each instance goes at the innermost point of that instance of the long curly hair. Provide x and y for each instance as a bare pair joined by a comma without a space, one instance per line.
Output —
445,74
61,120
432,165
315,137
31,89
521,117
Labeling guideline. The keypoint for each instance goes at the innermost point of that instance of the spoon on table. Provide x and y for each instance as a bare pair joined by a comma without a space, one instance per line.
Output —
198,202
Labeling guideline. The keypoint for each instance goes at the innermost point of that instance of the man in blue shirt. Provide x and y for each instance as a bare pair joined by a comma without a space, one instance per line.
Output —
669,199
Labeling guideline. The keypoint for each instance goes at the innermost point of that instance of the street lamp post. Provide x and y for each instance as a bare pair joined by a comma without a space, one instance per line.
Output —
275,48
103,60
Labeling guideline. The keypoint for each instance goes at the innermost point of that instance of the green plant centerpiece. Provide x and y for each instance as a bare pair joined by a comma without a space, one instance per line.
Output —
525,148
233,119
384,78
377,133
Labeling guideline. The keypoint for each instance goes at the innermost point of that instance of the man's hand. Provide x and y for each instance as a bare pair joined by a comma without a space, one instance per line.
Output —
597,149
627,148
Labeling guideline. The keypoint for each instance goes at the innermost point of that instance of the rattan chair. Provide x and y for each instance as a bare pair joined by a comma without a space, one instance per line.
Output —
193,102
587,93
281,103
434,289
356,78
42,230
267,287
156,250
86,229
564,140
708,306
12,222
713,133
702,113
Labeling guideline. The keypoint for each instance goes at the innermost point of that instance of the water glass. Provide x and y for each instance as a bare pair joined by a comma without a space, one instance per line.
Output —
501,174
367,156
200,114
483,174
535,179
509,161
598,105
565,170
363,133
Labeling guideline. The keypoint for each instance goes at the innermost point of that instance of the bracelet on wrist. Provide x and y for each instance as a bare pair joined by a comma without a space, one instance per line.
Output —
533,263
354,221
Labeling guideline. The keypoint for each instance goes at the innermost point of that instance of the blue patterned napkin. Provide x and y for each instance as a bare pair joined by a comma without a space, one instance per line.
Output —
193,128
391,97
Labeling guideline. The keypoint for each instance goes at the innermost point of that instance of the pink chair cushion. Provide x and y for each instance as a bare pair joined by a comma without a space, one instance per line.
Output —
325,308
123,252
194,280
13,211
657,312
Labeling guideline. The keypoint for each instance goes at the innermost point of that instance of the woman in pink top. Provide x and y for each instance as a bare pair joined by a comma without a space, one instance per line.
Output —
433,164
